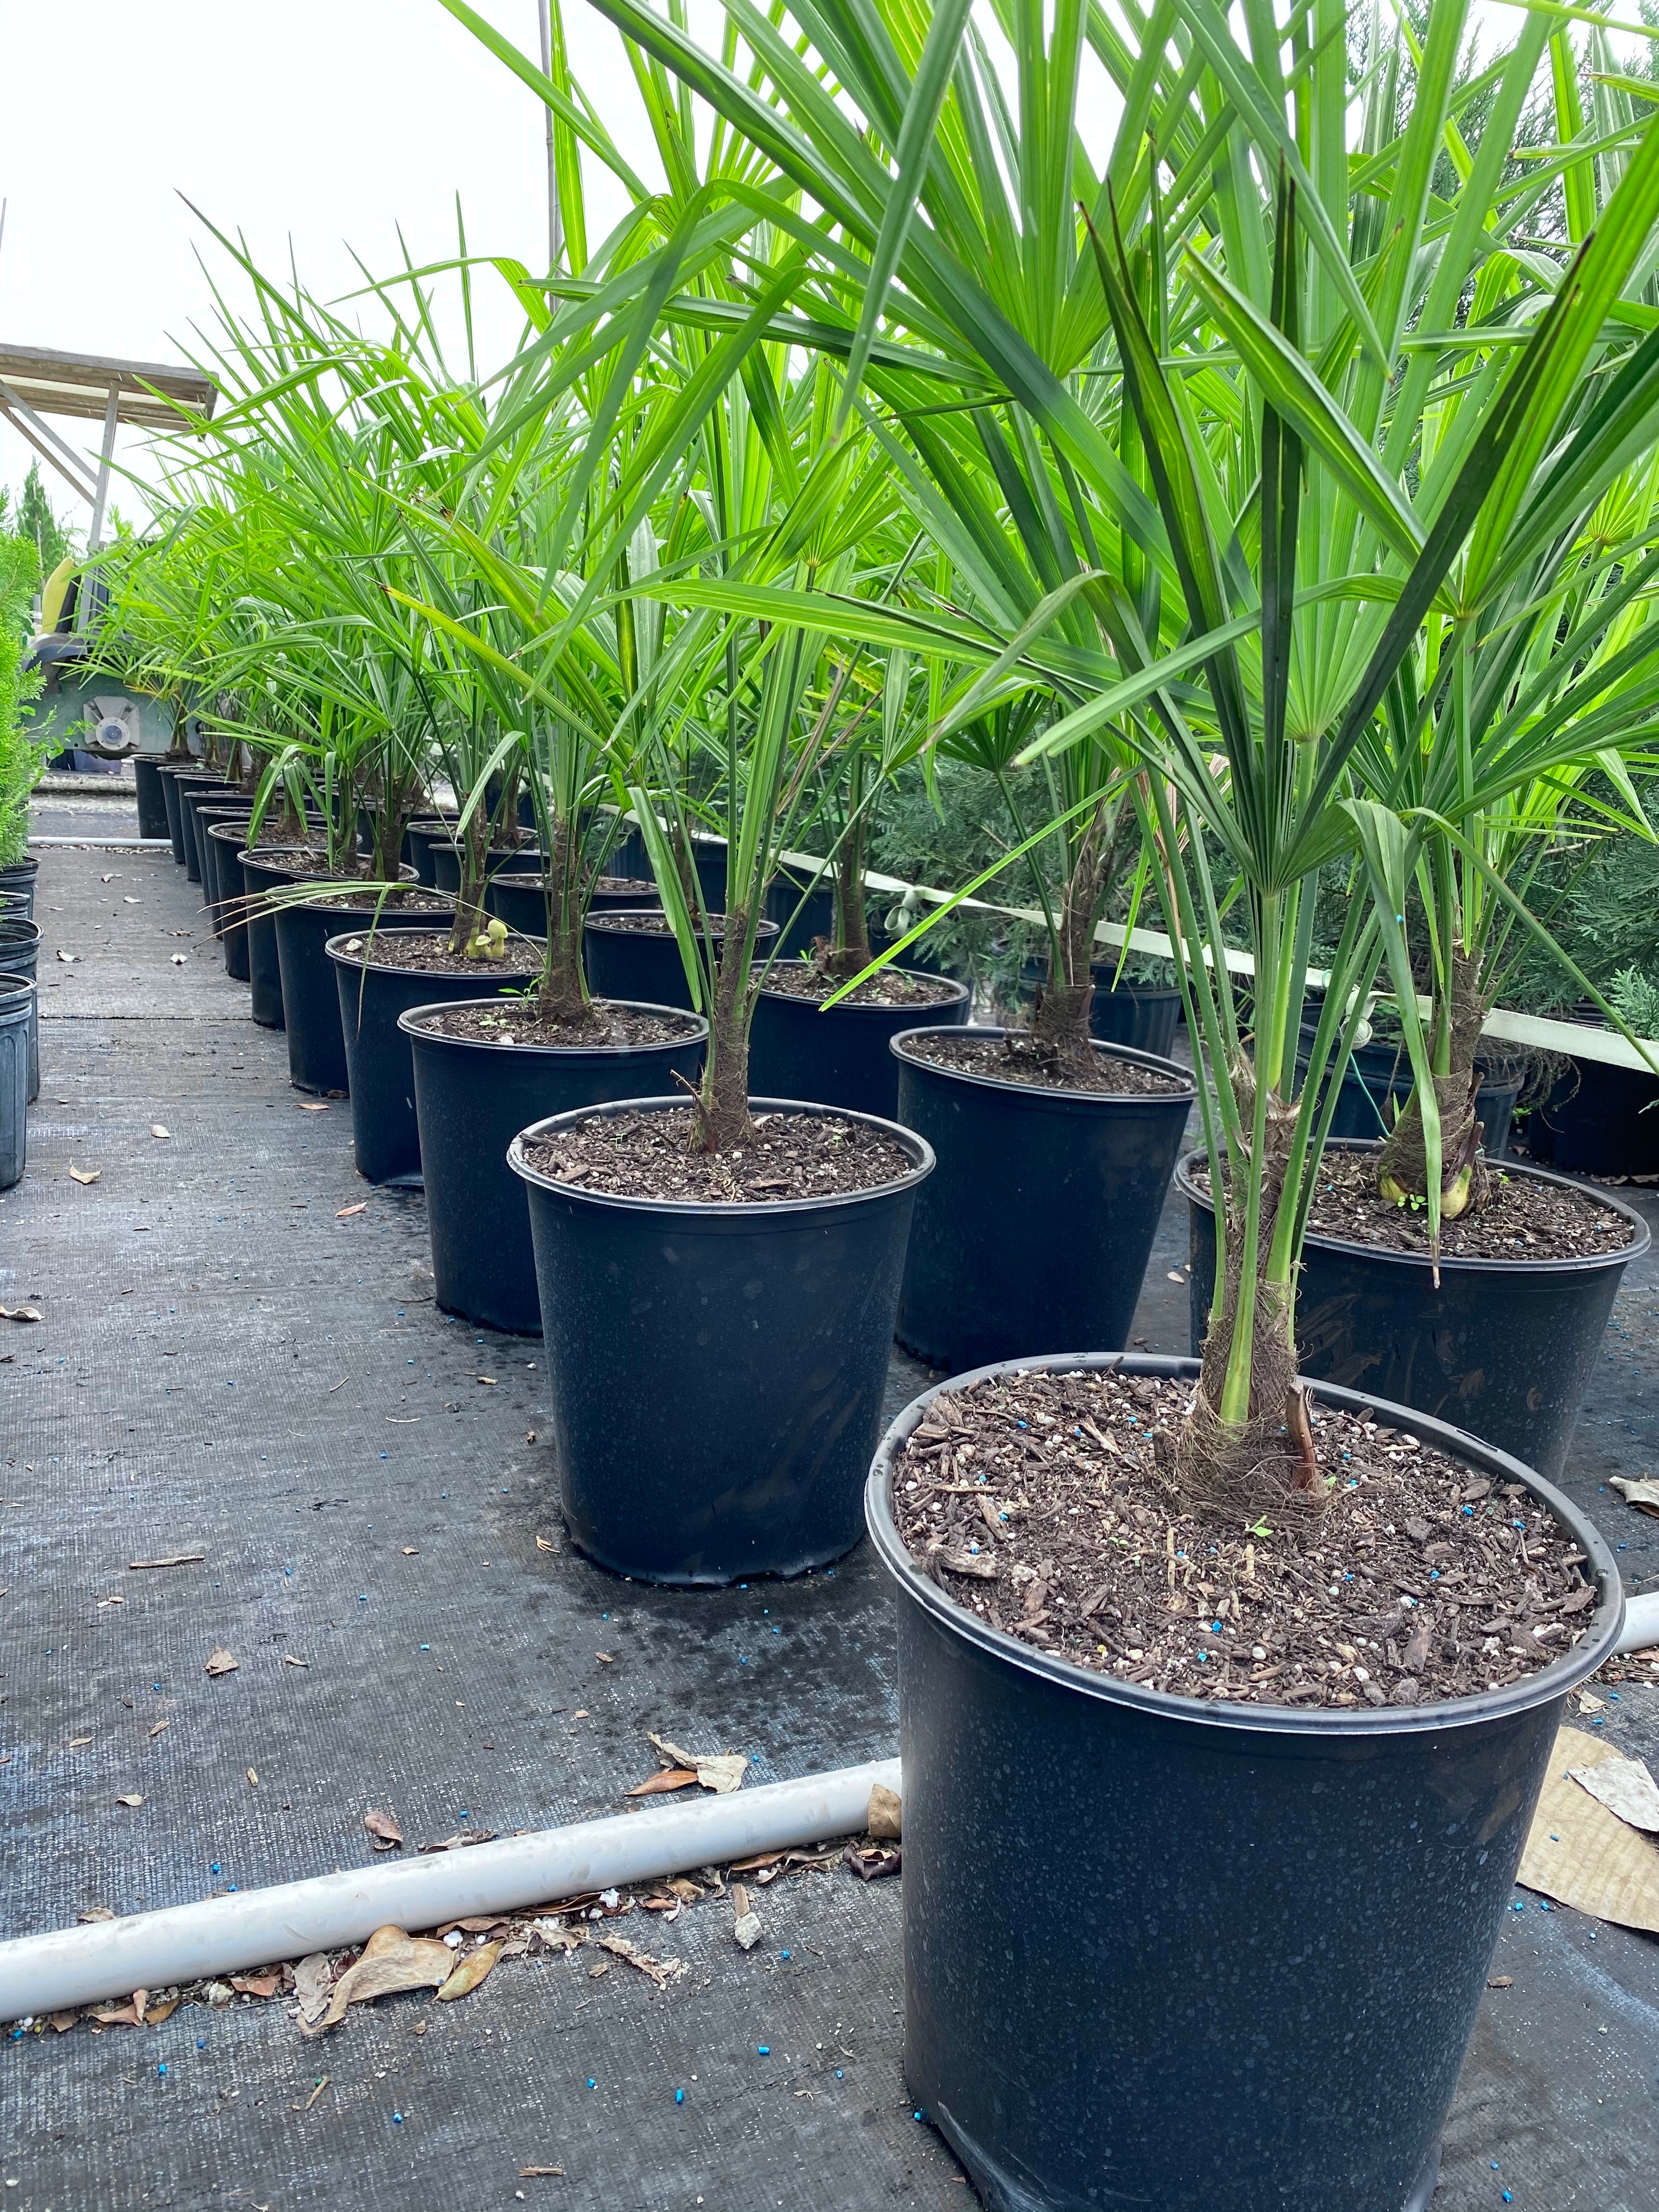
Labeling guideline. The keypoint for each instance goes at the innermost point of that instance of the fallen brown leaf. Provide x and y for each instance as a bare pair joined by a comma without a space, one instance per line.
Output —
157,1130
289,1659
886,1818
95,1912
315,1106
20,1313
132,1798
177,1559
62,2021
382,1828
1644,1496
1500,1981
252,1777
461,1840
346,1211
75,1742
411,1551
392,1962
313,1977
159,1726
542,1545
85,1175
871,1865
659,1971
219,1661
490,1379
117,2016
471,1969
606,1658
258,1985
671,1778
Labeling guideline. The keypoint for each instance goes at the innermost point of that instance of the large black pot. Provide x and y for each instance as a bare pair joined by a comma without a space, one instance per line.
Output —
840,1056
1503,1347
1036,1227
803,909
522,900
470,1101
20,955
1139,1014
225,842
643,965
195,790
1596,1121
1194,1956
266,870
1378,1082
524,860
168,773
16,1014
152,798
207,819
18,878
374,991
311,997
425,832
715,1371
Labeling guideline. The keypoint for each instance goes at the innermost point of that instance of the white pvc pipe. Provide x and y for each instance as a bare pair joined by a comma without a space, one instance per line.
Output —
1641,1626
258,1927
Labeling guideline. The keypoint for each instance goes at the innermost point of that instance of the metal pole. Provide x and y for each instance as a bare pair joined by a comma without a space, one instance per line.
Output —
96,535
555,221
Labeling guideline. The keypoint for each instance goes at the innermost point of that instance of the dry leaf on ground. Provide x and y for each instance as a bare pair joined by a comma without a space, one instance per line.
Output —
541,2173
392,1962
886,1818
1581,1853
720,1772
671,1778
252,1778
873,1865
313,1977
95,1912
258,1985
1642,1494
471,1970
85,1175
662,1972
132,1798
1625,1787
459,1840
156,1130
177,1559
160,1727
20,1313
220,1662
382,1828
346,1211
315,1106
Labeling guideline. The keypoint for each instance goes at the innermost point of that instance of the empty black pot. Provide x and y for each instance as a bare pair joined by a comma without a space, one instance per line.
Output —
624,962
1139,1014
311,997
152,800
373,991
839,1055
525,860
20,955
1036,1229
1504,1348
715,1371
226,839
1167,1951
471,1099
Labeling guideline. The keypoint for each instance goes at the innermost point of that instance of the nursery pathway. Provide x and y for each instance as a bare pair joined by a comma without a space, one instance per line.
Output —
227,1366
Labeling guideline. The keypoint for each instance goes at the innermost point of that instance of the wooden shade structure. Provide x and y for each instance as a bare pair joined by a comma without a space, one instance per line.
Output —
36,381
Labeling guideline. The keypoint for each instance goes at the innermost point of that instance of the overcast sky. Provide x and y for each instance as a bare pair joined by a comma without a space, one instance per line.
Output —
322,122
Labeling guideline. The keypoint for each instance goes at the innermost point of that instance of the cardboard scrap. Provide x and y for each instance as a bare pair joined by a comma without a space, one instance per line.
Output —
1583,1854
1625,1787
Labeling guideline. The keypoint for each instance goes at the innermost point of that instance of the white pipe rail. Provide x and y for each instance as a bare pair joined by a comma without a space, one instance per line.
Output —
258,1927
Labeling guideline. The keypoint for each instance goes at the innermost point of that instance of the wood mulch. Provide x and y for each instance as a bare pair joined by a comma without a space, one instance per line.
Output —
423,951
894,986
1036,1501
616,1026
1521,1220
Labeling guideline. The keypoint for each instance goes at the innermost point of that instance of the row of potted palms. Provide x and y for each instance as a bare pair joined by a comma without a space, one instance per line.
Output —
1258,503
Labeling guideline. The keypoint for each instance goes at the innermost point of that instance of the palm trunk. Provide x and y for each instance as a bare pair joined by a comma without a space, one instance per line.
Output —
722,1121
1059,1020
469,900
563,994
1402,1169
849,955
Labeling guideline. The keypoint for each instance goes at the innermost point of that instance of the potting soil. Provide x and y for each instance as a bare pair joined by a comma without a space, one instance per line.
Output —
240,1357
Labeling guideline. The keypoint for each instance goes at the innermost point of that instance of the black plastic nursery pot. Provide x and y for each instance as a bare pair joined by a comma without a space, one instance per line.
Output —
519,860
1139,1014
18,878
1505,1347
373,993
471,1099
1189,1955
522,900
839,1054
207,819
226,839
803,909
16,1019
1035,1228
644,964
421,835
1595,1121
193,791
715,1371
152,800
311,997
168,772
1376,1084
20,956
264,870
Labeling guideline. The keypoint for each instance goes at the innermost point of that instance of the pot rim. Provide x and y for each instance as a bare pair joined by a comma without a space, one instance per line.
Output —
613,917
1474,1265
1562,1674
10,923
738,1211
30,861
336,950
960,990
438,916
599,883
16,986
412,1024
1044,1094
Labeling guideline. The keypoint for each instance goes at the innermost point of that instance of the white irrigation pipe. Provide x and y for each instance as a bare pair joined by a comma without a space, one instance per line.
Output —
1641,1628
258,1927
